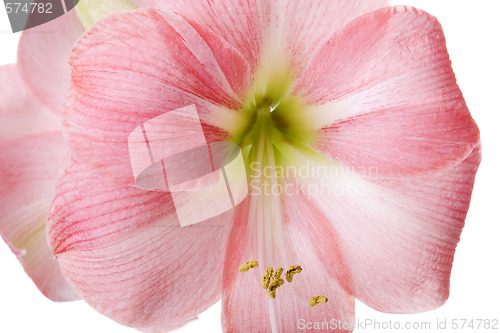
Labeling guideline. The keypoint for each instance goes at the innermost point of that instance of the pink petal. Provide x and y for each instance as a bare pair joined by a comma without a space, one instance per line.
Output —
247,307
123,250
398,237
250,25
231,62
134,66
237,21
29,168
43,55
308,24
20,112
392,99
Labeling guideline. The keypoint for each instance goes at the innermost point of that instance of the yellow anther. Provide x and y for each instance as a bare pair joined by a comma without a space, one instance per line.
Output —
316,300
272,280
248,265
277,282
266,279
279,271
293,270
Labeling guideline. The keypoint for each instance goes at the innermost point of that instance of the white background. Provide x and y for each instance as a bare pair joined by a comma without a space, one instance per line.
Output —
472,29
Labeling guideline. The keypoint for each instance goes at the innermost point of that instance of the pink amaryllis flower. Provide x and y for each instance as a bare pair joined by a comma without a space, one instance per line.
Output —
32,147
361,97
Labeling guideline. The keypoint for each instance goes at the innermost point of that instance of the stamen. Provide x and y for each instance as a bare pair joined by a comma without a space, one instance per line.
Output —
292,271
266,279
277,282
248,265
316,300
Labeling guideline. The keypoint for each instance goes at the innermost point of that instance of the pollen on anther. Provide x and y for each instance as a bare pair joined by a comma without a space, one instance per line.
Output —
316,300
276,283
292,271
266,279
248,265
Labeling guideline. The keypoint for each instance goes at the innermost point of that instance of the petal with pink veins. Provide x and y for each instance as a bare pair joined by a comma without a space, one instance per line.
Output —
236,21
398,236
29,169
43,56
387,96
168,66
251,25
246,305
306,25
20,112
123,250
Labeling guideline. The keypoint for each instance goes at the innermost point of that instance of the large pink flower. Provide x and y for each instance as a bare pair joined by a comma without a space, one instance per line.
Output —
348,85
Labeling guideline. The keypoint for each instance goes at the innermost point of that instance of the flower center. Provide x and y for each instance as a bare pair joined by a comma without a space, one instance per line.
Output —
270,117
